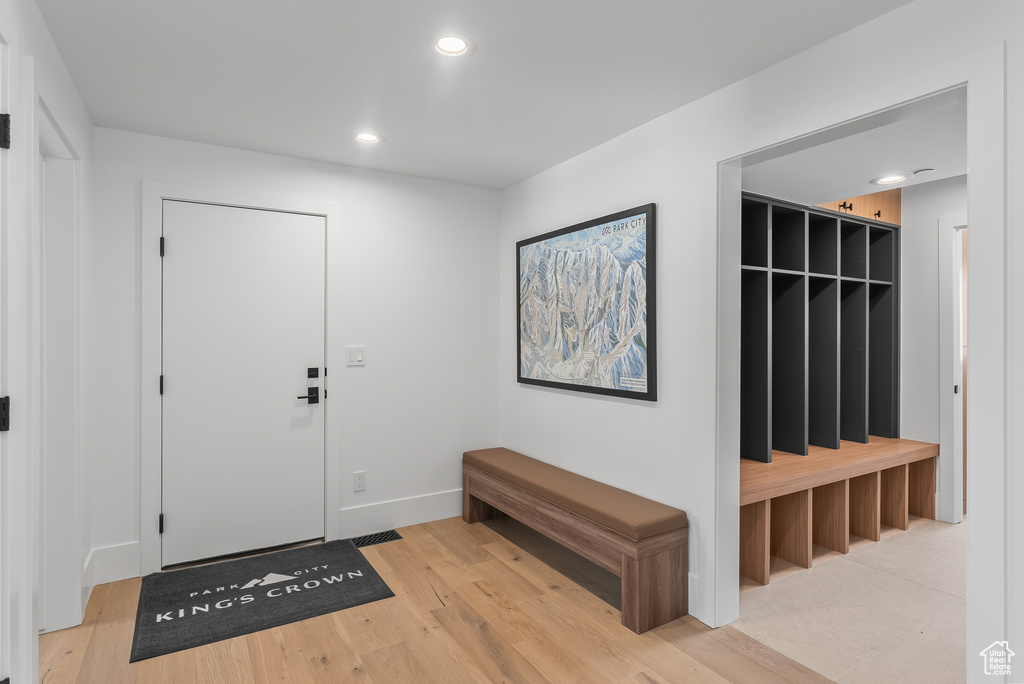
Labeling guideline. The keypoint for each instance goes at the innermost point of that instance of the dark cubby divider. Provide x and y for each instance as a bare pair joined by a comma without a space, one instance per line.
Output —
823,362
755,369
789,363
853,353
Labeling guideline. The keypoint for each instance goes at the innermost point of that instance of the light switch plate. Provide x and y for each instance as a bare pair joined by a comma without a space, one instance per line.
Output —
355,356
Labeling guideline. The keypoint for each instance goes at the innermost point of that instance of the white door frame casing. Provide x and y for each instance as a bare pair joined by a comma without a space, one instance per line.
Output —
989,561
62,486
153,194
19,344
951,464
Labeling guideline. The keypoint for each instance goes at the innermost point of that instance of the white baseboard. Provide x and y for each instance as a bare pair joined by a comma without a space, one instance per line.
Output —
386,515
88,579
114,563
123,561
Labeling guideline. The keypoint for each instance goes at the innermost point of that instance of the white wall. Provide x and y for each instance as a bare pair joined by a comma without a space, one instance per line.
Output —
418,291
670,451
33,76
919,302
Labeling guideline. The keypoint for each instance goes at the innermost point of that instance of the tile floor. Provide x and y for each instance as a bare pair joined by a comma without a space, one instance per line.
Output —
888,611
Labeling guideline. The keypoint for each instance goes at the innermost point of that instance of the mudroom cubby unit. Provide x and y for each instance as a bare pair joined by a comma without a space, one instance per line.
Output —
798,507
819,328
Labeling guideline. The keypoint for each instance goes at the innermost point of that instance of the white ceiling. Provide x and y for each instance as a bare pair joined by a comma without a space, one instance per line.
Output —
547,80
935,138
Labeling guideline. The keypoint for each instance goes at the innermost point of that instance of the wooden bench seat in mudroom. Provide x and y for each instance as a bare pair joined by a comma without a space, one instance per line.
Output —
641,541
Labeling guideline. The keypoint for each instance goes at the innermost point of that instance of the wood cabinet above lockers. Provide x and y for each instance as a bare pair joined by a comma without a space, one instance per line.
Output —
819,328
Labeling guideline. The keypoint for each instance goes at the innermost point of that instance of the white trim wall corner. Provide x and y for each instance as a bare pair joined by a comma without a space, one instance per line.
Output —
62,491
983,72
153,194
951,465
727,547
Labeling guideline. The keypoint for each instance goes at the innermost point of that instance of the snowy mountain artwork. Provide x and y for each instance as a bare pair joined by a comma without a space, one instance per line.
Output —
586,306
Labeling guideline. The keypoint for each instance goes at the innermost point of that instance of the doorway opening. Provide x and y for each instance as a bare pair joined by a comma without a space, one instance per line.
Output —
747,171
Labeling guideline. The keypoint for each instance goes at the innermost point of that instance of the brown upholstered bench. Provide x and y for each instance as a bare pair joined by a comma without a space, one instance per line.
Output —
641,541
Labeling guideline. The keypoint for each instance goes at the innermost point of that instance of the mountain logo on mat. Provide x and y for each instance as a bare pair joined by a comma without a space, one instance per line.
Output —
270,578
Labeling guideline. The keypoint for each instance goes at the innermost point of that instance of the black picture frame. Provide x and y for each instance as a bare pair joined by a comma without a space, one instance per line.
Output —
585,306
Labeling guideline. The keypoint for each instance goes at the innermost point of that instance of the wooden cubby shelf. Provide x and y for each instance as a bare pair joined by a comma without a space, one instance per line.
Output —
794,502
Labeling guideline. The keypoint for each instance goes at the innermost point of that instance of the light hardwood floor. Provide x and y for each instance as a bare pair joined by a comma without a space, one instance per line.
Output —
470,606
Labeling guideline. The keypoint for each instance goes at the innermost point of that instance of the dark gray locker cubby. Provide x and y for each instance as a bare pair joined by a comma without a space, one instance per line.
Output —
819,325
789,363
823,362
788,231
881,254
853,249
882,396
853,352
755,234
755,369
823,236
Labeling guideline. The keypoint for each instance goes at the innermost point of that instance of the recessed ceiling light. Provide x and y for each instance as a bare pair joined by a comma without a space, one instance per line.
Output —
369,138
452,46
890,180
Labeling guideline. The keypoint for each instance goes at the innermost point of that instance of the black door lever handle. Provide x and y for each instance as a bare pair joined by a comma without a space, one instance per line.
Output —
312,395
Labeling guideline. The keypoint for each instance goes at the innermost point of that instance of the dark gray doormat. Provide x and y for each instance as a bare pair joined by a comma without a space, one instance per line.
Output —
188,608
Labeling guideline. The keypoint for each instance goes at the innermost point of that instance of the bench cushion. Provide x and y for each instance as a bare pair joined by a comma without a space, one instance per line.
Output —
628,514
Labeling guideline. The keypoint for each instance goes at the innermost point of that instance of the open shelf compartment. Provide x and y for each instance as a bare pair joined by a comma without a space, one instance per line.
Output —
755,233
853,250
823,244
755,368
880,254
789,363
823,362
789,227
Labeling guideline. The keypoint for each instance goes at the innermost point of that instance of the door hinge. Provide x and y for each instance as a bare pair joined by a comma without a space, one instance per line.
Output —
5,418
161,384
161,523
5,140
325,371
161,246
956,389
5,680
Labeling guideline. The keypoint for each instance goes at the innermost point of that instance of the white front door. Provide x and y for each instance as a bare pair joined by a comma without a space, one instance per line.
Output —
243,328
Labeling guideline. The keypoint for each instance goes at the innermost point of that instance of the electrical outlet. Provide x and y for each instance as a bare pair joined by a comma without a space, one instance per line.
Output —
359,481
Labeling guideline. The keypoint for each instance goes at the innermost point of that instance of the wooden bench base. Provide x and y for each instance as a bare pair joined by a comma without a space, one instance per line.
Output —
654,571
794,502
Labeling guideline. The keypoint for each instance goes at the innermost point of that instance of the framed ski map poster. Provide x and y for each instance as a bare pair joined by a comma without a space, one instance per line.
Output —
586,306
